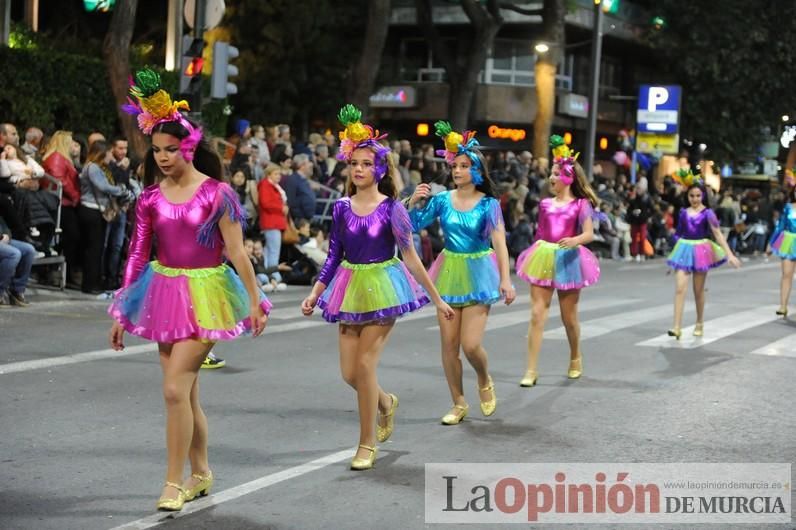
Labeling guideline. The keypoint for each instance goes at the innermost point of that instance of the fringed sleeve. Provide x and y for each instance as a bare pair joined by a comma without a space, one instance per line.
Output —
422,217
335,255
226,201
401,226
141,238
494,218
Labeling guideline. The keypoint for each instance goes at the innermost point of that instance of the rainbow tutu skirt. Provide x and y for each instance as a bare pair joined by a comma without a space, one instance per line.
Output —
168,305
783,246
464,279
547,265
367,293
696,255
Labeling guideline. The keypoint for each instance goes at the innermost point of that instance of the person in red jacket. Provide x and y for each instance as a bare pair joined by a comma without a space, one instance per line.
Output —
273,208
58,163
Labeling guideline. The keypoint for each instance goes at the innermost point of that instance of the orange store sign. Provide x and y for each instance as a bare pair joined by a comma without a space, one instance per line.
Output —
515,135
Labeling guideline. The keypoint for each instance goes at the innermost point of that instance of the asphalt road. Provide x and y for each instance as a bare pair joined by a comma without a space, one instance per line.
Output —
83,430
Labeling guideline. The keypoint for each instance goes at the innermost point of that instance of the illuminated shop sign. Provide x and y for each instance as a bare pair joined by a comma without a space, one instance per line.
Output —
515,135
394,97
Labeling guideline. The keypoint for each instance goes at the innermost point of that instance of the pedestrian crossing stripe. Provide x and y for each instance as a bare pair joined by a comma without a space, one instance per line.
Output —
716,329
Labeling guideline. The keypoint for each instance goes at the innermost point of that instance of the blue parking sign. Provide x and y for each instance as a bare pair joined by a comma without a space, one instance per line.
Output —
659,109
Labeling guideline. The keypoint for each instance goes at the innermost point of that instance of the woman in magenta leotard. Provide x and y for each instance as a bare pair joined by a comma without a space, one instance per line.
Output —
186,299
558,259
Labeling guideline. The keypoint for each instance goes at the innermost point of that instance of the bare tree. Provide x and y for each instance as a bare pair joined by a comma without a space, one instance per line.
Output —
116,51
363,79
553,13
463,69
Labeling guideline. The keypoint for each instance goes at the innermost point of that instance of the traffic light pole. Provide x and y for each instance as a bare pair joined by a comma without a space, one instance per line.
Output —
200,10
594,94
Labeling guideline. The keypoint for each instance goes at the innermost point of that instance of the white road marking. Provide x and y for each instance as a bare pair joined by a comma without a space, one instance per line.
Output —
49,362
238,491
608,324
785,347
715,329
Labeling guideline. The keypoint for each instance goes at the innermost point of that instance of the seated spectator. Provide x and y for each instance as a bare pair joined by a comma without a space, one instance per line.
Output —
269,278
32,145
16,260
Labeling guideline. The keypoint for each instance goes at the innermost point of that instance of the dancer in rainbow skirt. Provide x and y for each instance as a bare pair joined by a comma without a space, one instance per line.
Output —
783,244
469,274
187,298
694,253
363,286
558,259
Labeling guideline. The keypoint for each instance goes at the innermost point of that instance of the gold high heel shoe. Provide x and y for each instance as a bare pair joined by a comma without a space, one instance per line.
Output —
575,368
488,407
783,312
172,505
529,379
361,464
201,488
675,332
699,329
456,418
383,433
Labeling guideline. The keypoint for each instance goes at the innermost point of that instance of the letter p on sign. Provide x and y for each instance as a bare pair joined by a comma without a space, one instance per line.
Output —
658,95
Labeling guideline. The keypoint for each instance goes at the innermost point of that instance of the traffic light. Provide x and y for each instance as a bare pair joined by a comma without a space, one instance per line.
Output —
191,69
220,85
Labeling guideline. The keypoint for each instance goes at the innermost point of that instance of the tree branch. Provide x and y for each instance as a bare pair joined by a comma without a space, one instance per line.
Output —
517,9
438,48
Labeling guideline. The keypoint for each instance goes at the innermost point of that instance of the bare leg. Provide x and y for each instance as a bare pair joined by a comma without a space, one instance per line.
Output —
680,285
540,305
451,363
699,295
180,363
568,301
472,332
362,362
786,282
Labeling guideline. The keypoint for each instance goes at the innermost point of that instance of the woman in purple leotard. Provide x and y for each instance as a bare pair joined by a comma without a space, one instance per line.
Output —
694,253
362,285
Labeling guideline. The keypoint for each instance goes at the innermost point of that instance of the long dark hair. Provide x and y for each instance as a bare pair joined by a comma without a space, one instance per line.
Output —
487,187
386,184
205,158
704,195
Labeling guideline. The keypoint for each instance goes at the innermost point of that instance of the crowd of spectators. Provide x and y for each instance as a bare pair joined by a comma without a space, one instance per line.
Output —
286,186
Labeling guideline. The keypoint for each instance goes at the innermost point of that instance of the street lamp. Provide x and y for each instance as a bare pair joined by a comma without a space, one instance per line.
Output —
785,118
594,93
542,47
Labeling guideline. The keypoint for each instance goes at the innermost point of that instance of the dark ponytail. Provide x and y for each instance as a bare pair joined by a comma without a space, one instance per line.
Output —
205,158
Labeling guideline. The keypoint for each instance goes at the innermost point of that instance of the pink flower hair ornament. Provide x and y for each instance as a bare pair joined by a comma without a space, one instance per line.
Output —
151,105
566,169
357,135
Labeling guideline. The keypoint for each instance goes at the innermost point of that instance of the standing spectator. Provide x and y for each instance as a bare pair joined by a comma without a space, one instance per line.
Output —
300,197
96,192
33,137
94,137
273,208
57,162
258,138
116,229
639,214
16,260
77,153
